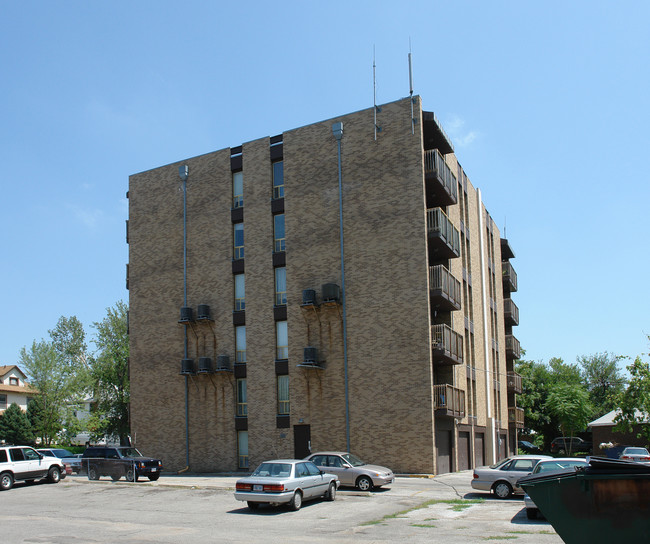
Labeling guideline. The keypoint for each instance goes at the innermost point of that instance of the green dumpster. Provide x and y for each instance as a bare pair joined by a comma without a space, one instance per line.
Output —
607,501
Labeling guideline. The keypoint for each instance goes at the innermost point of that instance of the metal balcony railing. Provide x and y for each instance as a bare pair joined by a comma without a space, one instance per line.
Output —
509,277
513,347
516,416
443,284
439,225
447,345
514,382
449,399
511,312
434,164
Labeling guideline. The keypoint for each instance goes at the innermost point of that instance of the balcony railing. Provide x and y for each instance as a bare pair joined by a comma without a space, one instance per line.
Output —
445,289
511,312
444,239
447,345
516,417
509,277
442,187
449,401
514,382
513,348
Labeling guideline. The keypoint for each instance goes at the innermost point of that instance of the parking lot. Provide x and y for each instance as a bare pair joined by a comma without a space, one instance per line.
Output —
198,508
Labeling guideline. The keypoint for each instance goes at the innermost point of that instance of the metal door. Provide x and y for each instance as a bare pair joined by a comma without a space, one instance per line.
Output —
301,441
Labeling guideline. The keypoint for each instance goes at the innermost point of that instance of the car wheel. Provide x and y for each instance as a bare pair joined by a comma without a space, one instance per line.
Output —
253,505
503,490
115,477
6,481
93,473
54,475
364,483
296,501
531,513
331,492
131,475
154,477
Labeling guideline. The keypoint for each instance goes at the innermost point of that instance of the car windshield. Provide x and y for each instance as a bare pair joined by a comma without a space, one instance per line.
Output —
636,451
60,453
273,470
353,460
501,463
549,466
130,452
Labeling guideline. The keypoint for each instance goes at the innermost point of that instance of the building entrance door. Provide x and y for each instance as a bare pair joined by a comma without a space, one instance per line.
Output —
301,441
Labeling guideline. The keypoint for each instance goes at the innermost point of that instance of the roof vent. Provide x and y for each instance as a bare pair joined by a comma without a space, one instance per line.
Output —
223,362
205,365
309,297
331,292
186,315
203,312
187,367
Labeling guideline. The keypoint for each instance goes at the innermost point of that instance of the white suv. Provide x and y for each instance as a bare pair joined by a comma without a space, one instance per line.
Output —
25,463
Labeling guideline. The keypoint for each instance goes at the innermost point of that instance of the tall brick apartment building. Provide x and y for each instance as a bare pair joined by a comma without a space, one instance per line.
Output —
259,330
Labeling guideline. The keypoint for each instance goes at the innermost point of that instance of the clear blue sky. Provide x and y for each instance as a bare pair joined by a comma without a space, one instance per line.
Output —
546,104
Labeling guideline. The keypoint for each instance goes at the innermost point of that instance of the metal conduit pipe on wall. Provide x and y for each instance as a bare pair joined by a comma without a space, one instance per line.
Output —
183,172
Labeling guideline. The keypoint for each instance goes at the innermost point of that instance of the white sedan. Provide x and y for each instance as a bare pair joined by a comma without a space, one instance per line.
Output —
286,481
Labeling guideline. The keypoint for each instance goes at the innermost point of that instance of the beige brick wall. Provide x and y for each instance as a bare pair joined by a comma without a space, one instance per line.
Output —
386,278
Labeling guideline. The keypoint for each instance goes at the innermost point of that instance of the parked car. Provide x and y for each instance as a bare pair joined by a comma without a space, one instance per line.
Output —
67,457
528,447
25,463
286,481
351,470
570,444
551,465
501,478
638,455
118,461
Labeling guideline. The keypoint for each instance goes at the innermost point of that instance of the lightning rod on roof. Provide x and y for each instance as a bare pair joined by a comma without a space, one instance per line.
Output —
411,88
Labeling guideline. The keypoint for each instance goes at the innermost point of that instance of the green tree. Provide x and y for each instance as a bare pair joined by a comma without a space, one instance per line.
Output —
110,375
15,427
570,405
604,381
634,402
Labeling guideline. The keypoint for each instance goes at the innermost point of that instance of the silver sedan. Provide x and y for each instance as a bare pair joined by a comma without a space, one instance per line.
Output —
351,470
286,481
501,478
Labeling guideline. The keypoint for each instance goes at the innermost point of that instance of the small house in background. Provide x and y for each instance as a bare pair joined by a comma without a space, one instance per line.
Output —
14,388
613,442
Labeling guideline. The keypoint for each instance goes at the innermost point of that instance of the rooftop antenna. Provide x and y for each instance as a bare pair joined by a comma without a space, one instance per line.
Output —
411,88
374,92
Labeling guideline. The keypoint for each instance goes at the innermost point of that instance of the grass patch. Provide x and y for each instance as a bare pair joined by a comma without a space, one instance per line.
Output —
422,525
499,537
544,532
456,505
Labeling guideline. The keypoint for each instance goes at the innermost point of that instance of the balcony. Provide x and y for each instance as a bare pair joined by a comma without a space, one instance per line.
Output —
513,348
444,289
433,134
506,250
510,312
514,383
448,401
509,278
442,186
444,239
447,345
516,417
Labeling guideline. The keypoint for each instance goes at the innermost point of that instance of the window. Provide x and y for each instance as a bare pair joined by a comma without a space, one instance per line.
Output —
281,340
242,448
240,344
278,232
242,403
13,381
240,292
3,401
283,395
238,251
278,179
237,189
280,286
